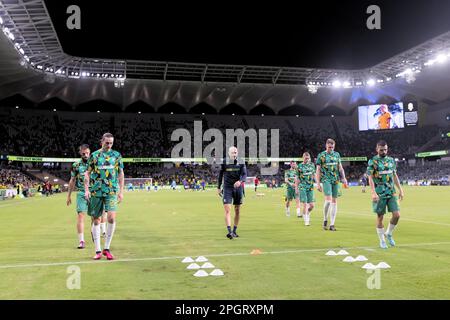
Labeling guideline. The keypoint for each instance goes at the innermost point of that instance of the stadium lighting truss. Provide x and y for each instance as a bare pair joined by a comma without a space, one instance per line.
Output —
28,26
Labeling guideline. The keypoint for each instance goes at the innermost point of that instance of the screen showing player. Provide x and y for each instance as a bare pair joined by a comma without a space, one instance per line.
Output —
381,117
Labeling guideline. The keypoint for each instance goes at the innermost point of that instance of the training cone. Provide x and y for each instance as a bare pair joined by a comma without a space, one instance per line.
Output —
349,259
187,260
255,252
331,253
342,253
201,273
201,259
383,265
369,266
193,266
207,265
216,272
360,258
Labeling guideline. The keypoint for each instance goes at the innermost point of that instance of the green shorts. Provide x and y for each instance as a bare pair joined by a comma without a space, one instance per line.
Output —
332,189
99,204
290,194
391,204
82,204
307,196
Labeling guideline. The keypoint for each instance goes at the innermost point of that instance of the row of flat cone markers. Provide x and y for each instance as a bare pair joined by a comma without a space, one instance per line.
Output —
205,265
381,265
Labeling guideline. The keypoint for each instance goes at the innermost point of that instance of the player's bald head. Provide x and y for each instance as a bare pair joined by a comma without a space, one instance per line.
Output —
233,152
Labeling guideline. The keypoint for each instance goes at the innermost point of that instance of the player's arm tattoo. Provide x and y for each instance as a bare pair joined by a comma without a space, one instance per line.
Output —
121,179
371,184
86,180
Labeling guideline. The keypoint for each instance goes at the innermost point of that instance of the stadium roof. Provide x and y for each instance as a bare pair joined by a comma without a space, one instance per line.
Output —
34,63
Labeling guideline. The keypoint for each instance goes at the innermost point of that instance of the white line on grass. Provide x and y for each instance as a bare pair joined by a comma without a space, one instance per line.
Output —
33,265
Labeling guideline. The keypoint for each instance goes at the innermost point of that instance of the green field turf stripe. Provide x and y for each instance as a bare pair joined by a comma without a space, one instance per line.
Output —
401,218
34,265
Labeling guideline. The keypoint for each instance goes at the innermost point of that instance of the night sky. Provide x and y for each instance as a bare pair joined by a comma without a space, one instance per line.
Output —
326,34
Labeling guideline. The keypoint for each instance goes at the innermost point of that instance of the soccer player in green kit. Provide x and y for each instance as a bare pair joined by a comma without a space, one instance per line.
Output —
103,185
305,186
382,172
329,171
76,183
290,178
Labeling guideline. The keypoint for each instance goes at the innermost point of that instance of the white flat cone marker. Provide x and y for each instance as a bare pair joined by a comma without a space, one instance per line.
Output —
343,253
207,265
187,260
331,253
361,258
201,259
201,273
349,259
383,265
216,272
369,266
193,266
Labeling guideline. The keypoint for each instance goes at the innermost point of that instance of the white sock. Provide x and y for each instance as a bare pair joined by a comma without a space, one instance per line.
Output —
298,212
288,210
333,213
326,209
380,232
109,234
103,227
306,218
81,237
96,237
390,229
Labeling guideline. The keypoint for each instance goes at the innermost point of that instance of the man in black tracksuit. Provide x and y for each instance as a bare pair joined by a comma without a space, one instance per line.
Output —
234,176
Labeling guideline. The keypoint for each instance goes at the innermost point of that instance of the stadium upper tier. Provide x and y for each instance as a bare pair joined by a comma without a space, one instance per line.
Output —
58,134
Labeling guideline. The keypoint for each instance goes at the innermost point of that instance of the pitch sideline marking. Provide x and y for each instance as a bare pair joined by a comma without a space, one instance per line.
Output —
209,255
401,218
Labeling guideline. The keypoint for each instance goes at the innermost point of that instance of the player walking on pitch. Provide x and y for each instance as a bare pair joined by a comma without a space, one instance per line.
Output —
382,172
103,185
329,169
305,186
290,178
234,175
76,183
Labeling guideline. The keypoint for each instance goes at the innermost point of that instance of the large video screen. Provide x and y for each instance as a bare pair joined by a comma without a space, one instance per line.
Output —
381,117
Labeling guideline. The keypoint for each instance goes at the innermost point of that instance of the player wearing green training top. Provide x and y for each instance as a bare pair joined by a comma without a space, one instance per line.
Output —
290,178
329,171
103,185
76,183
382,173
305,184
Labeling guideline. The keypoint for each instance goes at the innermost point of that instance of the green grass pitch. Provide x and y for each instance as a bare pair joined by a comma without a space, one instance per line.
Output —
156,230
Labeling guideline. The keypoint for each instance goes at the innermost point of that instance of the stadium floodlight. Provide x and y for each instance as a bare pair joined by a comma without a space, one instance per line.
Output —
139,112
54,110
17,107
83,74
347,84
232,114
312,88
203,113
297,115
337,84
1,20
441,58
262,114
171,112
371,82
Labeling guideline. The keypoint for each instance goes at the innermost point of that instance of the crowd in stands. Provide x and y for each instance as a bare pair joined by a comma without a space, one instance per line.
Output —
58,134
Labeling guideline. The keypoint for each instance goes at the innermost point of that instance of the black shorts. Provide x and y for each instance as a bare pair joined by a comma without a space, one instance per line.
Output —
233,195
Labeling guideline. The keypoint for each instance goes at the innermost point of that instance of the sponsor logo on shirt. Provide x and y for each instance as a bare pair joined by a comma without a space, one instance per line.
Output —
386,172
110,167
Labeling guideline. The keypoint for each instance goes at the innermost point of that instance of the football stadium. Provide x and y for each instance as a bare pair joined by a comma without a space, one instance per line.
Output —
136,173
